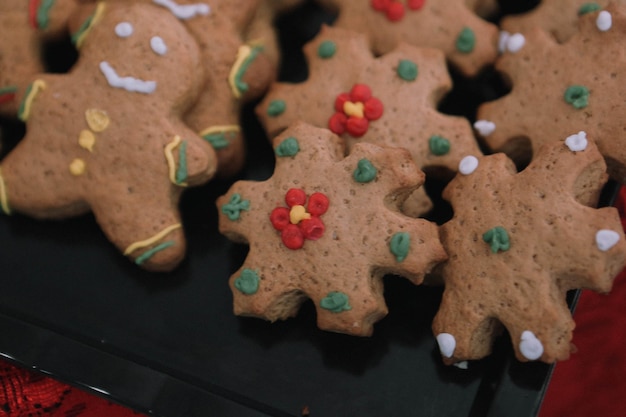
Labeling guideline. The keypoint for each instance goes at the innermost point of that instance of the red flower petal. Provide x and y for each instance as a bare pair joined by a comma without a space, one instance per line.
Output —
280,218
360,92
295,196
318,204
312,228
340,101
292,237
373,109
337,123
395,11
380,5
416,4
357,126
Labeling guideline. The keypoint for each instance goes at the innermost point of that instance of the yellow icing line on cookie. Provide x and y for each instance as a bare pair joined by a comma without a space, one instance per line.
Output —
35,88
94,20
220,129
171,163
4,200
243,53
144,243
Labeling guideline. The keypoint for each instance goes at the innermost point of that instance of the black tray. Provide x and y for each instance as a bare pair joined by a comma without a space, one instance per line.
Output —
168,344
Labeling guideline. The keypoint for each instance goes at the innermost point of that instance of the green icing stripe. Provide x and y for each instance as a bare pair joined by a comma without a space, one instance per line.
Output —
22,108
42,14
11,89
399,245
336,302
247,282
239,83
150,253
181,172
218,140
84,27
588,8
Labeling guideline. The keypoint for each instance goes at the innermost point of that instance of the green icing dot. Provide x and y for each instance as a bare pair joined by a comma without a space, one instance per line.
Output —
577,96
247,282
326,49
466,41
336,302
497,238
235,206
588,8
219,140
288,147
365,171
407,70
438,145
276,108
399,245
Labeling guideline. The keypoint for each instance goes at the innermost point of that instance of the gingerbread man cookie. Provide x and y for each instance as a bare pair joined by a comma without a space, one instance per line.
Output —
108,136
327,228
390,100
517,243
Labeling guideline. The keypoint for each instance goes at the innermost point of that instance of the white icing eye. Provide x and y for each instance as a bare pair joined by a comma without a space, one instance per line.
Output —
530,346
484,127
124,29
606,239
158,46
604,21
577,142
502,40
447,344
468,165
515,42
461,365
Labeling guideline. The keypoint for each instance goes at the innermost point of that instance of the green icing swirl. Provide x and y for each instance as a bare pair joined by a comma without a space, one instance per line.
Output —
588,8
365,171
235,206
276,108
181,172
498,239
336,302
438,145
327,49
466,41
150,253
247,282
577,96
399,245
288,147
407,70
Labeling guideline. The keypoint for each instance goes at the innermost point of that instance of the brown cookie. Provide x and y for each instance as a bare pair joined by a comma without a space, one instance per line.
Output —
517,243
327,228
108,136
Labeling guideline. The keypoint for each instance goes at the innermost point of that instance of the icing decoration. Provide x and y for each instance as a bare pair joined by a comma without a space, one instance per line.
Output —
151,252
577,142
577,96
218,136
77,167
7,93
38,13
416,4
399,245
498,239
588,8
151,240
438,145
466,41
31,93
131,84
177,175
468,165
87,140
247,282
336,302
97,120
288,147
327,49
484,127
515,42
79,36
300,221
604,21
447,344
4,200
186,11
503,37
393,9
124,29
245,56
276,108
235,206
606,239
365,171
461,365
530,347
354,111
158,45
407,70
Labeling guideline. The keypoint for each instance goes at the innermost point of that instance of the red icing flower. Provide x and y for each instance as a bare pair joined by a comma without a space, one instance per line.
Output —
301,220
354,110
393,9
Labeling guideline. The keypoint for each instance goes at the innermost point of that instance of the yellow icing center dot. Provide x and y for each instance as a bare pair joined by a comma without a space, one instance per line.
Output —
87,140
298,213
353,109
77,167
98,120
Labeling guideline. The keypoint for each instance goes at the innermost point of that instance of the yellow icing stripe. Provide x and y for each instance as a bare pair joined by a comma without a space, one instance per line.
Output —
220,129
145,243
94,20
35,88
171,163
4,200
242,54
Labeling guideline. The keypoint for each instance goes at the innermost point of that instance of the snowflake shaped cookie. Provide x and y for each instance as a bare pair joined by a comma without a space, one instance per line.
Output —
327,228
517,243
468,41
563,89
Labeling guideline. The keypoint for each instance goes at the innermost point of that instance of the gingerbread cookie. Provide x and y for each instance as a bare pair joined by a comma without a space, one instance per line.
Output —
390,100
108,136
563,88
327,228
468,41
517,243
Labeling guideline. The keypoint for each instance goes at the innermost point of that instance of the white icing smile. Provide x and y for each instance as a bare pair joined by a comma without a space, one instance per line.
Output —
131,84
186,11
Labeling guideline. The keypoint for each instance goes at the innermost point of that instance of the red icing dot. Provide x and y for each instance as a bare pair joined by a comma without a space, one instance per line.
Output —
318,204
373,109
395,11
312,228
416,4
340,101
280,218
360,92
380,5
295,196
357,126
292,237
337,123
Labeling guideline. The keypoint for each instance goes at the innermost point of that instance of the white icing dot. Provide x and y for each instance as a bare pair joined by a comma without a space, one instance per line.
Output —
530,346
124,29
606,239
515,42
502,40
484,127
461,365
468,165
604,21
577,142
447,344
158,45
